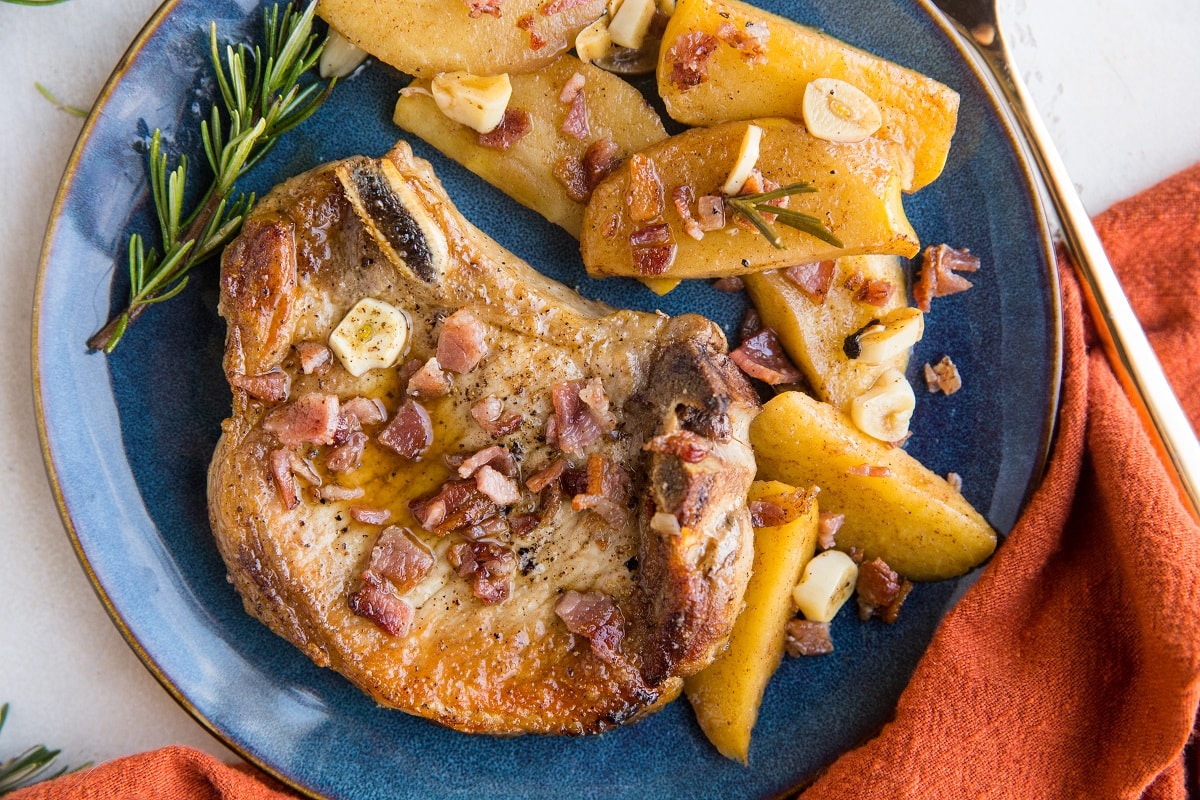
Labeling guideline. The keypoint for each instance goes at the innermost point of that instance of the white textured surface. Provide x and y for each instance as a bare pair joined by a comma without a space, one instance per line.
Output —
1116,81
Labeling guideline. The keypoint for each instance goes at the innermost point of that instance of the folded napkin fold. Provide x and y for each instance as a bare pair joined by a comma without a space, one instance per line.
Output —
1072,667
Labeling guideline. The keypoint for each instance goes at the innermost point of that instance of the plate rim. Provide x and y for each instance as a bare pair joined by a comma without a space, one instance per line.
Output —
66,183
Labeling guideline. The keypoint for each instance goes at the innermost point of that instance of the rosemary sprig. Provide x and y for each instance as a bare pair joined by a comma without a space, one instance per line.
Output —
35,2
29,767
753,206
264,94
74,111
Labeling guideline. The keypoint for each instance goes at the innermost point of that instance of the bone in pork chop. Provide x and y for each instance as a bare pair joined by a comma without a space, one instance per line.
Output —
534,522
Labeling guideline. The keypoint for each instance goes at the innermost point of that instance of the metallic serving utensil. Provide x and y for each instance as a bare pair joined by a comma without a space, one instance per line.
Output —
1125,342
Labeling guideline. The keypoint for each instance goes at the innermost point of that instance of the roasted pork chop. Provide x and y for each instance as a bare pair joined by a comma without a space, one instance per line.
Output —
534,522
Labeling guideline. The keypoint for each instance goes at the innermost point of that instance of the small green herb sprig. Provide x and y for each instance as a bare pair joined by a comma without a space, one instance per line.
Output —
264,94
29,767
74,111
753,206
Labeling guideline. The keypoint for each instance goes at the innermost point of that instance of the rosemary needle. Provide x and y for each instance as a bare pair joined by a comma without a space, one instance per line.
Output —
263,94
31,766
753,206
74,111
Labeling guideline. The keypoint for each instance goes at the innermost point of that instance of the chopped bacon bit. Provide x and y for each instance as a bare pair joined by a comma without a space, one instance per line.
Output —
487,528
731,284
761,356
570,173
429,381
876,292
854,281
574,481
937,278
955,481
364,410
814,279
581,415
461,344
571,88
682,197
878,584
347,457
501,489
654,259
651,235
489,565
522,524
285,481
495,456
314,357
334,492
457,505
688,56
687,446
606,492
310,419
943,376
767,514
378,604
543,478
515,123
410,433
525,23
576,122
596,617
270,387
891,611
665,523
645,194
489,415
828,524
750,41
599,160
869,471
481,7
398,558
711,212
369,515
808,638
751,324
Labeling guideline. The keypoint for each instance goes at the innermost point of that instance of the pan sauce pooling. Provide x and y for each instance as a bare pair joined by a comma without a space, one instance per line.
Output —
537,521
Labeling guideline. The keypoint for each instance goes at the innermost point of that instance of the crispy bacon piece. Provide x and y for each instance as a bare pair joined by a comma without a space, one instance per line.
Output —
881,592
751,324
364,410
682,197
606,491
807,638
489,565
378,604
828,524
943,377
429,381
571,88
596,617
543,478
937,276
654,259
314,357
270,387
515,123
285,481
496,457
710,212
651,235
536,40
398,558
410,433
501,489
733,283
580,177
688,56
750,41
814,279
876,292
645,193
462,343
489,415
310,419
688,446
581,415
457,505
761,356
347,457
369,515
766,514
480,7
576,122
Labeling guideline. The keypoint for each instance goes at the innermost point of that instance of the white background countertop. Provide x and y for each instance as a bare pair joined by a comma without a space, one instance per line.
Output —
1116,80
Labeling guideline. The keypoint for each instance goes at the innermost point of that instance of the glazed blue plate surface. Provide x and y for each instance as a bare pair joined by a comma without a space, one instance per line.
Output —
128,437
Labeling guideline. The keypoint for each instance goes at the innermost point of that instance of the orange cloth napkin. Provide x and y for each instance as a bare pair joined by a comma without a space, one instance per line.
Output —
1072,668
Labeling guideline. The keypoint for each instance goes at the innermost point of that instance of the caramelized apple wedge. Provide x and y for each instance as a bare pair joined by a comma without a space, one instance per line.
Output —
725,60
634,213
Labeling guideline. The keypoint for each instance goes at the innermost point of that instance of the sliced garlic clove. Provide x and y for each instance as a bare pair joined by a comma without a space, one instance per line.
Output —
884,410
476,101
837,111
630,22
372,335
895,333
340,56
594,42
746,159
826,585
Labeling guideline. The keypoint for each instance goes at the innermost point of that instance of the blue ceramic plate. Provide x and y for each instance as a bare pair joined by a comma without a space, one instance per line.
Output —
128,438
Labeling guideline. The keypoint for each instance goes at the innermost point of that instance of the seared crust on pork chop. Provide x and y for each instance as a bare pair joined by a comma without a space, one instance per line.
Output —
569,609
